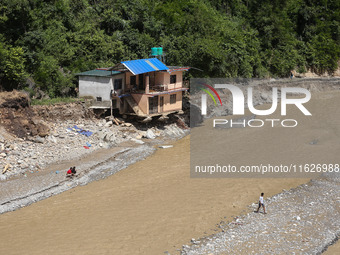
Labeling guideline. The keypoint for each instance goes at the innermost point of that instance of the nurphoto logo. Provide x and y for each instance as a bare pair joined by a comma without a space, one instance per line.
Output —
239,104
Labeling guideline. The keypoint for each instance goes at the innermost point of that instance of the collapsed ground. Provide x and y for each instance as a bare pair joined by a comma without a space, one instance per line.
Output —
33,137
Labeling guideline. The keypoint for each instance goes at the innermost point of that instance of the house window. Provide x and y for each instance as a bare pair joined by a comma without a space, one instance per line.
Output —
172,79
173,99
132,80
99,99
118,84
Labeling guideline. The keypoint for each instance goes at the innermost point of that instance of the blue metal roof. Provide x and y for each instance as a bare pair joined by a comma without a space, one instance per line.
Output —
98,72
144,65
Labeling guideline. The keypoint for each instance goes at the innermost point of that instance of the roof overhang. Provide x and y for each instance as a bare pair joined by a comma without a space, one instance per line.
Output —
140,66
99,72
119,67
179,68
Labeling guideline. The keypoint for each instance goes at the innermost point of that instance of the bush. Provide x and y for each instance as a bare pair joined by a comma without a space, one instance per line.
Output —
57,100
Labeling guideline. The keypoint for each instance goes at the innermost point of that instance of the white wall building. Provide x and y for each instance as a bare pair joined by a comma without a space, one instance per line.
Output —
99,84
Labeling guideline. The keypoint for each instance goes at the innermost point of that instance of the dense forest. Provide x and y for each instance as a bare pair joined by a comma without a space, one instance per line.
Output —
46,43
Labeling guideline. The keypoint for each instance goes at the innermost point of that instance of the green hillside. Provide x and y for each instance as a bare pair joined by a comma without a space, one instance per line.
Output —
50,41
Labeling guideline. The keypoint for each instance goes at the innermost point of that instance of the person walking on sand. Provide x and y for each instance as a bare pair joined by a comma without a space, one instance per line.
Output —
261,203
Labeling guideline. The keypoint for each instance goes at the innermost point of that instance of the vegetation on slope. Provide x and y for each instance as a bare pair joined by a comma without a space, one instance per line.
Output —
51,41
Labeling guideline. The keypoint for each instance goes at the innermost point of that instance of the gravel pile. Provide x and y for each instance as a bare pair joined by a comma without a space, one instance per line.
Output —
305,220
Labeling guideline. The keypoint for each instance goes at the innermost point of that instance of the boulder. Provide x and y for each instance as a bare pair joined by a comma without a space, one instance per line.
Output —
127,124
139,136
52,139
43,130
142,133
150,134
101,135
108,124
39,139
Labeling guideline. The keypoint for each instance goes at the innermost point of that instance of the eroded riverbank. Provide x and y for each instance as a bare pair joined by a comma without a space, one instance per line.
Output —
19,192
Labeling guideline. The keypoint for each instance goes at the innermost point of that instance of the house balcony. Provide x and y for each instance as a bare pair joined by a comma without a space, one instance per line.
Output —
159,88
155,89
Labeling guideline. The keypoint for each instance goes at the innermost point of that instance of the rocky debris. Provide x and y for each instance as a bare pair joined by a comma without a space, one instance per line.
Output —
63,112
38,187
62,143
35,137
29,160
298,221
174,131
108,124
17,117
14,99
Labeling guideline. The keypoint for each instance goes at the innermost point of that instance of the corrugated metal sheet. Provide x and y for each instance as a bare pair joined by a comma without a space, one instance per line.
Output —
144,65
98,72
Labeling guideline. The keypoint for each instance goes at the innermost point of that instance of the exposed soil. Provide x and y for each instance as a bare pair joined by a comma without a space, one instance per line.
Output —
22,120
17,116
71,111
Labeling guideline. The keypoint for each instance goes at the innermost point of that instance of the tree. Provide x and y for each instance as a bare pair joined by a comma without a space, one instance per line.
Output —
12,68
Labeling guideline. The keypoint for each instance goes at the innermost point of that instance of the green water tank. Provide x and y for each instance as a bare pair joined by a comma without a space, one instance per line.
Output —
154,51
159,51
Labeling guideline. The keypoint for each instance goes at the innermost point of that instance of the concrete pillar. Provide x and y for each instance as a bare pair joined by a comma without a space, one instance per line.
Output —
147,84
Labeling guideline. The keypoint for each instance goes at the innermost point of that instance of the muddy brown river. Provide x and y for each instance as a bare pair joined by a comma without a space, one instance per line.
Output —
154,206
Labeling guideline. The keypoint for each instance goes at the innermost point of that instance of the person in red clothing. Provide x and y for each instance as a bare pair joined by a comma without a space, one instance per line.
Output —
71,172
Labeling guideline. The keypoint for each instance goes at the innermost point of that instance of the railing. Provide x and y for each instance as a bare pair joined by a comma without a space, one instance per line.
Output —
153,88
159,88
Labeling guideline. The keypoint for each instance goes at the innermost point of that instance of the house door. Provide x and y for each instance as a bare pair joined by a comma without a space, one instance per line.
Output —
161,104
153,105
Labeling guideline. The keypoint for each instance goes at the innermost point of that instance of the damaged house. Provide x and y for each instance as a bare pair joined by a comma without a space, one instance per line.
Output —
143,87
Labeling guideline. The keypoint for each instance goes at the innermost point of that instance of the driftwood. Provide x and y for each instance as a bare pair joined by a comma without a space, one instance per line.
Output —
119,121
115,121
